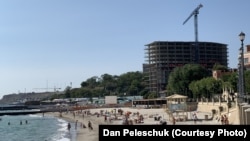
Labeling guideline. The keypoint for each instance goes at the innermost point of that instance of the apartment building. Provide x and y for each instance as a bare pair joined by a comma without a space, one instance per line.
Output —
247,57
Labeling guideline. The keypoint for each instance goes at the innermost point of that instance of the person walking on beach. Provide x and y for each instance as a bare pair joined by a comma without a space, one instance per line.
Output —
222,120
195,118
90,125
83,125
226,121
76,124
105,118
69,126
173,120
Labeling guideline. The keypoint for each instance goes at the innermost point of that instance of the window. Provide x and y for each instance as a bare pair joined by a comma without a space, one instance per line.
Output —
246,60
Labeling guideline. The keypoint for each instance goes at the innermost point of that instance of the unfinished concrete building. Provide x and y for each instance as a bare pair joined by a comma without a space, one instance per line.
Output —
163,56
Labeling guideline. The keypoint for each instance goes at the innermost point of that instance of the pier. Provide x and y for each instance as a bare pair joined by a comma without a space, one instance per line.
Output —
25,110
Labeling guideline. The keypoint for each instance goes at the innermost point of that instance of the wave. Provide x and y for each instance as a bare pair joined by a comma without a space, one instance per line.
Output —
35,115
62,132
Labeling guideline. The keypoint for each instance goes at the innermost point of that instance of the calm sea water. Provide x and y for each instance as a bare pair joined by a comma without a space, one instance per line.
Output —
37,128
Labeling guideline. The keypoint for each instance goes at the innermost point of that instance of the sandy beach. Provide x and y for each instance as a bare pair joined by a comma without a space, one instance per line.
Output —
149,116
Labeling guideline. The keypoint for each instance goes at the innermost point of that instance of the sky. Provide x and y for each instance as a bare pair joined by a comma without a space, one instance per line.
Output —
47,44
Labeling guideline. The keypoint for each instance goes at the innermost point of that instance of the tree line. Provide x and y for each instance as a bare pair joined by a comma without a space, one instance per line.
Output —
127,84
192,80
195,81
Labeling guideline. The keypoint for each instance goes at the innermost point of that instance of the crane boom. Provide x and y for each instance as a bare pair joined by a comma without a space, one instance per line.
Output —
195,13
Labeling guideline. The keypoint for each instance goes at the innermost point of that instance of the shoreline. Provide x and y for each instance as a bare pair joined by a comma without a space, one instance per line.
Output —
81,133
97,116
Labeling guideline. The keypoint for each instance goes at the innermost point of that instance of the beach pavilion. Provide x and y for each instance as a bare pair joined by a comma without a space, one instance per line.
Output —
177,106
149,103
175,101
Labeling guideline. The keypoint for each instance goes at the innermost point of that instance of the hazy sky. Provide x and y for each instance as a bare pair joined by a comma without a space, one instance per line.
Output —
52,43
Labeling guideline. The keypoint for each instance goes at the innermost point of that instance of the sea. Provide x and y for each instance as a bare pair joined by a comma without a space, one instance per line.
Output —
35,128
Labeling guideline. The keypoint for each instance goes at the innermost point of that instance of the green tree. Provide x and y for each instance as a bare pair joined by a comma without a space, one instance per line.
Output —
205,87
232,80
218,66
131,83
91,82
67,92
109,83
247,81
181,77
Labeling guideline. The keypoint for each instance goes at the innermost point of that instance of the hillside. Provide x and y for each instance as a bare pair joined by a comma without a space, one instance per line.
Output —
22,97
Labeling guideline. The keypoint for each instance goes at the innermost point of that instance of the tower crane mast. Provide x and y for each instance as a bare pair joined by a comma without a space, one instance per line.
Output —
195,14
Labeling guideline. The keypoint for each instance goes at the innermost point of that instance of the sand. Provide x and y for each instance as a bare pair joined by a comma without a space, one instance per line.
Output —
149,116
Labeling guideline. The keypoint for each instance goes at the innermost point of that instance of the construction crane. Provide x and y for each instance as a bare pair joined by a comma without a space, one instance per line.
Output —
195,14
